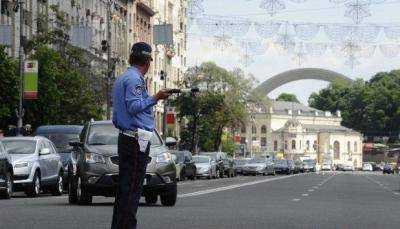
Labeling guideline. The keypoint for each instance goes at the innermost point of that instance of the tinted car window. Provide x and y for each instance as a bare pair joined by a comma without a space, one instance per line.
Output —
103,134
281,163
201,159
20,146
61,140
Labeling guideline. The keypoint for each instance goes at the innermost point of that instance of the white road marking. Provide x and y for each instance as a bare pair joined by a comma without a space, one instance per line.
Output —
225,188
396,193
311,190
296,200
315,187
304,194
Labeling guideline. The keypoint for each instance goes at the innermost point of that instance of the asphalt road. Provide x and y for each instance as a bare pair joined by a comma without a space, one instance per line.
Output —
322,200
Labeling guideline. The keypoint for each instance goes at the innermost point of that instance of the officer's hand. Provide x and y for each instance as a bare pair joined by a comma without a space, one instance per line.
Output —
162,94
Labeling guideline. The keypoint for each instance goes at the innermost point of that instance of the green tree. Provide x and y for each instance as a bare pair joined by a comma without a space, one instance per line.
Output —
371,107
211,113
65,95
9,89
287,97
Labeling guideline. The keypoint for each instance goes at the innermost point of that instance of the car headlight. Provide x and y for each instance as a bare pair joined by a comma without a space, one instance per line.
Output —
163,158
21,164
93,158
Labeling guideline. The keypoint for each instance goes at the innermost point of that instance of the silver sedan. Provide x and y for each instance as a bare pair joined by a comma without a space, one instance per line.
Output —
36,163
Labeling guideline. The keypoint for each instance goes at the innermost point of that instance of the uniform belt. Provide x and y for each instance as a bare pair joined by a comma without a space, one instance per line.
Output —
130,133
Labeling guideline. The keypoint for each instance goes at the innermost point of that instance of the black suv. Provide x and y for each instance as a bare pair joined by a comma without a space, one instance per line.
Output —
6,174
94,167
185,164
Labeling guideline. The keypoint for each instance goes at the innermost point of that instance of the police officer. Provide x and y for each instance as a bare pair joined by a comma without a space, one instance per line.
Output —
133,110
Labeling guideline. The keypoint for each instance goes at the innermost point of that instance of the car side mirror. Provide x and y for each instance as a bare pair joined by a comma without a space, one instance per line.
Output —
76,144
44,151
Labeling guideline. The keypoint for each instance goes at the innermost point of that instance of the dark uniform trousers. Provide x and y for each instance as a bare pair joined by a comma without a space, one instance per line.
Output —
132,170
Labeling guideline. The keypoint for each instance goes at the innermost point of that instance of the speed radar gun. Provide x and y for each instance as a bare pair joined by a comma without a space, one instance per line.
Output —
184,90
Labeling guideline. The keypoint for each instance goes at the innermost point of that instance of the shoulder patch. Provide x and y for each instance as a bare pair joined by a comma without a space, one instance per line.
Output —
138,90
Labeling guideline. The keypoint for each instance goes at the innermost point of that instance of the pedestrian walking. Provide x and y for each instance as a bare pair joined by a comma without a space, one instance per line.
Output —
133,115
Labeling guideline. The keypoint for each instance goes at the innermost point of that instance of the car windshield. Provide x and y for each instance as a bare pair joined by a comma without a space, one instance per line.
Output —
309,162
256,160
107,134
199,159
20,146
241,162
281,162
61,140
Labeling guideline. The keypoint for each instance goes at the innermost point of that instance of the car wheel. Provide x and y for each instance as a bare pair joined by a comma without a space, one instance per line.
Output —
58,188
151,198
35,187
82,196
7,193
169,198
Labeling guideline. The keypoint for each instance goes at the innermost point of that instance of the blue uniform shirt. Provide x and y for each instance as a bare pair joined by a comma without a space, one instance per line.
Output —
132,105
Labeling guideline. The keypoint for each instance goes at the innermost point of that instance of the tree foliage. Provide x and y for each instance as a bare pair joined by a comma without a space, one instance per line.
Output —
65,84
211,112
9,89
371,107
287,97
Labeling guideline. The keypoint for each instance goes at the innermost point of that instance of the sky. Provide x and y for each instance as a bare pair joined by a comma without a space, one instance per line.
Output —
201,48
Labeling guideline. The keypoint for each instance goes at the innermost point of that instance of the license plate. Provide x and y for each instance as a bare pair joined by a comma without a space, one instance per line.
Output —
145,181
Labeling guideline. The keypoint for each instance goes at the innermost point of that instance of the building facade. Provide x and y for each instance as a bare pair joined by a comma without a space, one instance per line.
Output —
130,21
295,131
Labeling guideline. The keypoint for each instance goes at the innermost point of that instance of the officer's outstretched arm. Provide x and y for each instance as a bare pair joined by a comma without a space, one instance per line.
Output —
134,98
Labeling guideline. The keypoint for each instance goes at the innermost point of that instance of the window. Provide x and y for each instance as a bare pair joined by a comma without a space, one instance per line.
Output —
293,144
308,144
300,144
315,145
286,145
253,129
243,129
263,129
336,150
355,147
243,140
275,145
263,141
348,147
254,139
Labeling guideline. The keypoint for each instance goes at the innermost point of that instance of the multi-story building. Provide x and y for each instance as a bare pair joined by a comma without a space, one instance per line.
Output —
131,21
295,131
170,59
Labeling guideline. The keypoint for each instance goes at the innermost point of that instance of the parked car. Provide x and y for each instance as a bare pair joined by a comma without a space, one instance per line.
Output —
37,165
229,169
326,167
388,169
282,167
259,166
367,167
298,167
61,135
309,165
94,170
6,174
186,167
218,158
206,167
348,167
239,163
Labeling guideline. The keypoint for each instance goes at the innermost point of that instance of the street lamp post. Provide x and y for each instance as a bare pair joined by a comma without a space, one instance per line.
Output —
21,68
